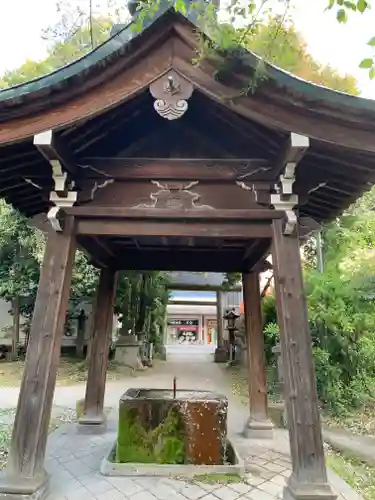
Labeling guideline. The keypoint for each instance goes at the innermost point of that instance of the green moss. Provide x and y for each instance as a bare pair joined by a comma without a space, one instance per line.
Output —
219,478
163,445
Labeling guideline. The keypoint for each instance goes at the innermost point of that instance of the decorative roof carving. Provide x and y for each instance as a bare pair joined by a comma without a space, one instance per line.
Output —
175,195
171,92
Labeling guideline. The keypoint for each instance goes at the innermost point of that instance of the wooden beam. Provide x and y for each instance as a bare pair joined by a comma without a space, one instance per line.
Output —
256,258
104,247
217,169
133,228
250,131
53,150
190,303
249,249
97,255
107,213
25,472
207,288
179,260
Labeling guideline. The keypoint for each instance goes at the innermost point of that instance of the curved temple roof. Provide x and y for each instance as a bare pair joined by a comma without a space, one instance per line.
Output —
102,93
123,37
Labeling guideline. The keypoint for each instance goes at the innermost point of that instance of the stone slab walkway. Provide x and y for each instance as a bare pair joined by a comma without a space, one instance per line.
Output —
73,460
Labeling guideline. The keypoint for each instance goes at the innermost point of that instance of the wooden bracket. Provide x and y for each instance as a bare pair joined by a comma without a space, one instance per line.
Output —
171,92
60,202
55,152
51,147
287,204
285,199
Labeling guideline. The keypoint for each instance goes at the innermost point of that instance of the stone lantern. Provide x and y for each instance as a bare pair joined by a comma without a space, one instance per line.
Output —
231,318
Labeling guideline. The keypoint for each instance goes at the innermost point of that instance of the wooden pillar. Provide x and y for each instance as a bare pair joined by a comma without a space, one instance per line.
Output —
309,475
258,426
93,414
25,473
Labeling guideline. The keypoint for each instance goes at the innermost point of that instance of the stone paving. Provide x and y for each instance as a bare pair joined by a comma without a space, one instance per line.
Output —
74,464
73,460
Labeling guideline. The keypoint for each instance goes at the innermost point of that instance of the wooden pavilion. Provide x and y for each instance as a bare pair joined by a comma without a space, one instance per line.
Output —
146,160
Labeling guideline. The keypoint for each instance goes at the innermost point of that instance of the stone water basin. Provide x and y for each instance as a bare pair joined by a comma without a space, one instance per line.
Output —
162,432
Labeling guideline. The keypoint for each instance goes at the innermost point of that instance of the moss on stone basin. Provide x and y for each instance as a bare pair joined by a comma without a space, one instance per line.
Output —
154,427
164,444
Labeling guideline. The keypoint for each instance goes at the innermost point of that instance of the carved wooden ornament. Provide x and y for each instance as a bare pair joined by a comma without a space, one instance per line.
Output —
171,92
175,195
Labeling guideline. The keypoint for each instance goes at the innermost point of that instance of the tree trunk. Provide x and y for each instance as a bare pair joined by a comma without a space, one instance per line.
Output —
81,328
126,310
141,321
16,327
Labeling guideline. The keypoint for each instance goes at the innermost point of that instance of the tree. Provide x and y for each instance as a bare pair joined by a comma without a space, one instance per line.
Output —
271,36
279,43
343,9
141,302
20,249
21,253
342,309
61,53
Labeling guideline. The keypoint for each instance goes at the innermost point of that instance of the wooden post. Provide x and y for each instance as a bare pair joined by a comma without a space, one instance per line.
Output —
221,352
258,426
93,414
25,473
309,476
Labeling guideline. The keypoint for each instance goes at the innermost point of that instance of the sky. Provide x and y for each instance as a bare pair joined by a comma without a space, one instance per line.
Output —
341,46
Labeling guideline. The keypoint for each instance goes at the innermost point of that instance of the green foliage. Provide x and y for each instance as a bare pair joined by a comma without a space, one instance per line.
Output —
342,309
141,302
281,44
271,329
269,309
20,251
